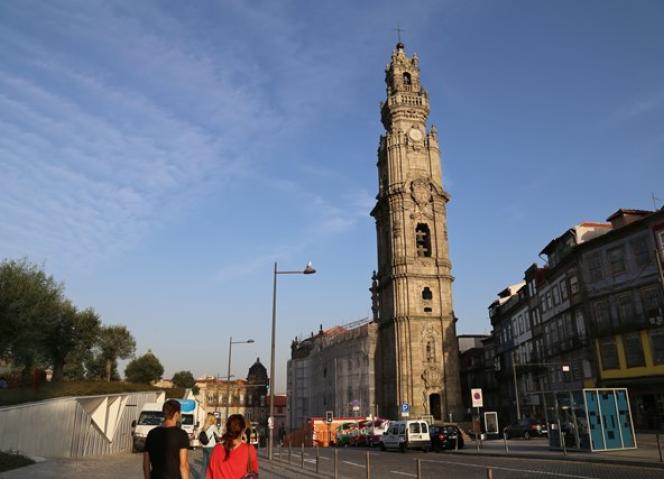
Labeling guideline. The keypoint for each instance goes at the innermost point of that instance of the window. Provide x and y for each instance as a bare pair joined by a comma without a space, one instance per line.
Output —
574,285
652,305
556,295
414,428
563,291
616,257
633,350
407,80
640,252
543,303
595,267
423,240
602,314
549,302
625,308
580,324
608,353
427,295
657,345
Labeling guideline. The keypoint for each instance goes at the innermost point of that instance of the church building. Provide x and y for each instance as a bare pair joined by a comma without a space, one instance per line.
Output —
413,357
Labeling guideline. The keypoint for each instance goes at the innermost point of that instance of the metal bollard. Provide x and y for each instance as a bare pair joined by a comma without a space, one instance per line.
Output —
419,469
302,456
289,452
659,448
507,449
281,451
317,458
336,464
368,466
489,473
477,441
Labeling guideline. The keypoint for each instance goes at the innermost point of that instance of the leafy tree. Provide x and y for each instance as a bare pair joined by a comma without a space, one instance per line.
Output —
184,379
95,367
29,299
67,331
144,370
115,342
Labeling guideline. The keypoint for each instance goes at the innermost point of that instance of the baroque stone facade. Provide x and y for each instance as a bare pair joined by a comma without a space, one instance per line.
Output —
408,351
417,350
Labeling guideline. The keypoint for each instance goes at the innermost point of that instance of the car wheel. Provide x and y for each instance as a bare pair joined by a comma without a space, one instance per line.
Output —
526,435
402,447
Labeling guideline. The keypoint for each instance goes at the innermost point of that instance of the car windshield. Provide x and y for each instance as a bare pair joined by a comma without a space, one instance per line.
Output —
151,418
449,430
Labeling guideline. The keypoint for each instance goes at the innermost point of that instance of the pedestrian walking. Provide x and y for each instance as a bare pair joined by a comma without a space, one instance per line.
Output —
211,433
233,458
166,447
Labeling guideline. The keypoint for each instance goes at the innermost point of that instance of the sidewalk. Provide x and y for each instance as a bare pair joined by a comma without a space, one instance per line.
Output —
646,453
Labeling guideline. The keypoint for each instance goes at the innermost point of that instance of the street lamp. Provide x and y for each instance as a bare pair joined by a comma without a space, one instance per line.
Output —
228,377
309,269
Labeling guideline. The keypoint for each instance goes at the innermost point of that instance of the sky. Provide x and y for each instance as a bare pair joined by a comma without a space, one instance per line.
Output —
158,157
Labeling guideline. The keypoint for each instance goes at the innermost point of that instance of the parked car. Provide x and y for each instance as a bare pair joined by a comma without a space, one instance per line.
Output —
404,435
445,437
526,429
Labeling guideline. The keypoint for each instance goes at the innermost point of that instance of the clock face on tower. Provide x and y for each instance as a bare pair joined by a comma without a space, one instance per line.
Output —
415,134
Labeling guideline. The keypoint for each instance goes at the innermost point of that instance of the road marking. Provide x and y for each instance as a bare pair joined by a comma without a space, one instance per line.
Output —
513,469
404,473
354,464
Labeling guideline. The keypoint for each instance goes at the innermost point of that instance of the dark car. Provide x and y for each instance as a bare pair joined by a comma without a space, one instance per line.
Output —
526,429
445,437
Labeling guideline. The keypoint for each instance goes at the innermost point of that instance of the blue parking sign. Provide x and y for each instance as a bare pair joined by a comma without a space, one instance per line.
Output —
405,407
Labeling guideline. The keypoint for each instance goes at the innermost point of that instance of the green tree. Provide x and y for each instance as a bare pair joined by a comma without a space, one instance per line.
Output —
29,300
115,342
68,331
144,370
184,379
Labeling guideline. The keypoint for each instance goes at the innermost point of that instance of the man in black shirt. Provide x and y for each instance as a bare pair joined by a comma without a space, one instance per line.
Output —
165,455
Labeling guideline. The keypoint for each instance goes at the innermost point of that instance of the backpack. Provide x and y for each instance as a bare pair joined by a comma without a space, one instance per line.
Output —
203,438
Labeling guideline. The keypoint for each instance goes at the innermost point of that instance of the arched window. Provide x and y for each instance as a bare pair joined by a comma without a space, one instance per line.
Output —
427,295
423,240
406,78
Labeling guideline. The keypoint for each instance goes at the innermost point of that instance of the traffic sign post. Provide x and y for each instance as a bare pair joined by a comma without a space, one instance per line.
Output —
405,409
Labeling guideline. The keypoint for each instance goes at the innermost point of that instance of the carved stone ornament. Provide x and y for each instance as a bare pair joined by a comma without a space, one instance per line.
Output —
432,378
421,191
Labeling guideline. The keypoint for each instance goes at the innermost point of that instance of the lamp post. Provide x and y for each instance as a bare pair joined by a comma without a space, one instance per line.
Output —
228,376
309,269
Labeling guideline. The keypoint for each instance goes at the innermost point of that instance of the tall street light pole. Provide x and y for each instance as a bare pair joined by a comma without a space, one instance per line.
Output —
309,269
228,376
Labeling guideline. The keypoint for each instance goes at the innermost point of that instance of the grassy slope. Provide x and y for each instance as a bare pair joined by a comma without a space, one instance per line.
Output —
13,461
14,396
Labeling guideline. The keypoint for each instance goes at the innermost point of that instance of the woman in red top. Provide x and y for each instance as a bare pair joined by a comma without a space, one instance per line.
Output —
232,459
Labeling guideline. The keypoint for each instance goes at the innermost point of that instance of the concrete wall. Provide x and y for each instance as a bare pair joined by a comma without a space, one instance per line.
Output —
73,426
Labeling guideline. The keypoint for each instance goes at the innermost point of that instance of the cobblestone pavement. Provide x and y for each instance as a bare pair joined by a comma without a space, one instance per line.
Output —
123,466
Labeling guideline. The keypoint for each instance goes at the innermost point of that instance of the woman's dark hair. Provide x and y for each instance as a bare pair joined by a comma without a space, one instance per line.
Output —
235,424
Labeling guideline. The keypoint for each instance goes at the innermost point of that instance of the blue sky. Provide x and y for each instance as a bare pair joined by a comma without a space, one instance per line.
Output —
158,157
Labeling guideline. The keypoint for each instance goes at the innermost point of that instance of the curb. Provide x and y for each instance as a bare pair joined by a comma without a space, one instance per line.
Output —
570,458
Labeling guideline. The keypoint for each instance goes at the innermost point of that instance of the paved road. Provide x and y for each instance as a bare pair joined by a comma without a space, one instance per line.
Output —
446,465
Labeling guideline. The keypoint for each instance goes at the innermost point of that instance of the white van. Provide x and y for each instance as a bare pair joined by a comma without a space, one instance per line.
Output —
404,435
150,417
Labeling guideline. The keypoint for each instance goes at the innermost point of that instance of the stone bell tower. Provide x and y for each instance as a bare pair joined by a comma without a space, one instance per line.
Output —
417,350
